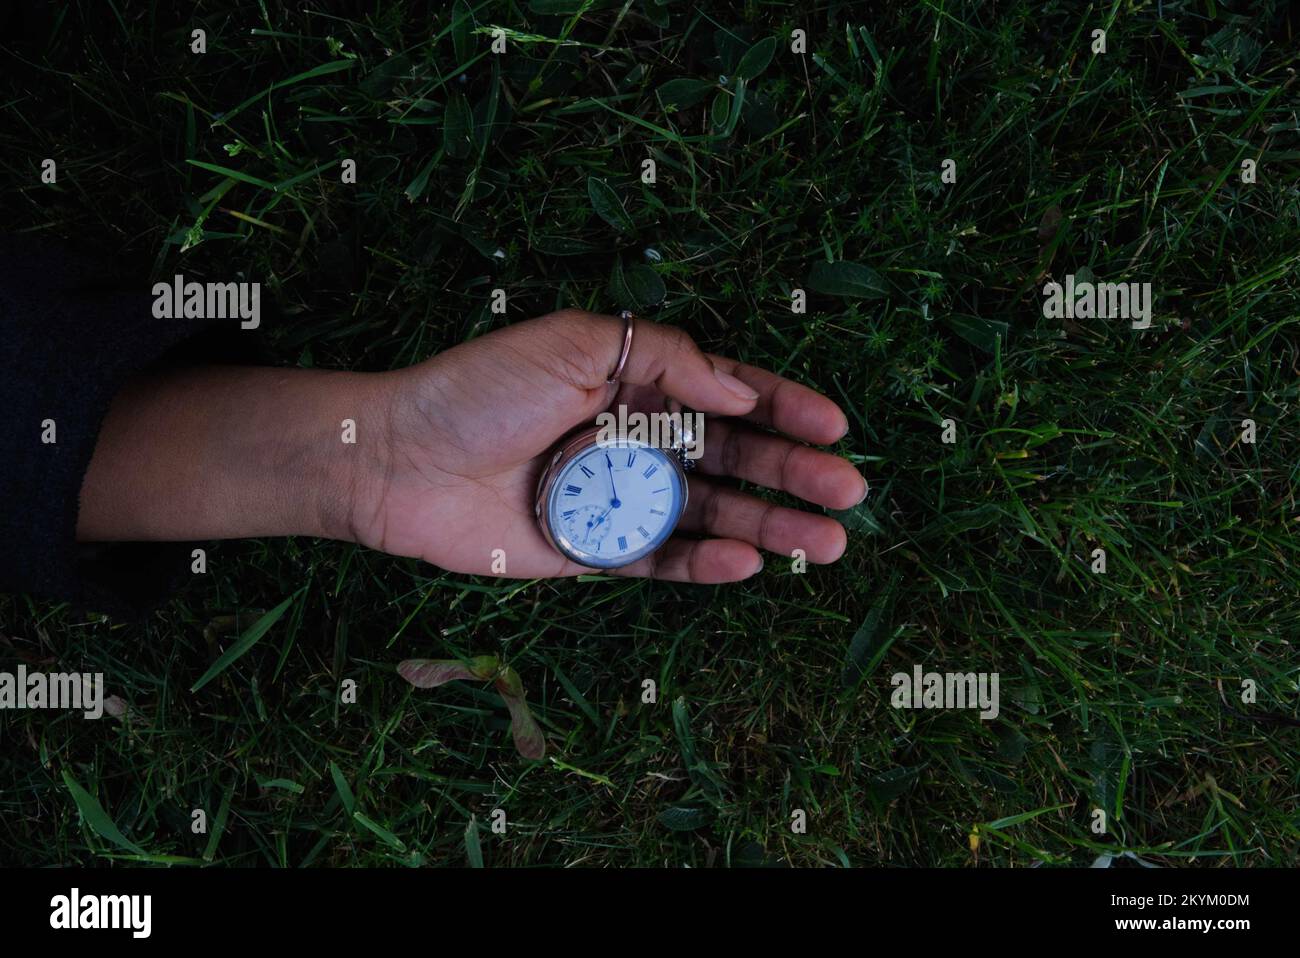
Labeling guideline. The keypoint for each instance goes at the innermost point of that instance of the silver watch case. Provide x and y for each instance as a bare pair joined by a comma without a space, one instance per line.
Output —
566,453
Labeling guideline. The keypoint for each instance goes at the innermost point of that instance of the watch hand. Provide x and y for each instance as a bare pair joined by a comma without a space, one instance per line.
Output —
592,524
610,466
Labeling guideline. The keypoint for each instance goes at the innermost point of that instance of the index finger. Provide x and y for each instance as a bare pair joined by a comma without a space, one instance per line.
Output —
787,406
656,354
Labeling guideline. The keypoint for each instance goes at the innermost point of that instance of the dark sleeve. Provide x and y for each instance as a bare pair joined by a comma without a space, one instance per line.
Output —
73,334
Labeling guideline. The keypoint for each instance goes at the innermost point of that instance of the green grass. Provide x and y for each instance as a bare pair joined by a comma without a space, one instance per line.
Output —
773,695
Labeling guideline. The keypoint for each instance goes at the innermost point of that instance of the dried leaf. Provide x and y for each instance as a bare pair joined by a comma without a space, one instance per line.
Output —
430,673
529,741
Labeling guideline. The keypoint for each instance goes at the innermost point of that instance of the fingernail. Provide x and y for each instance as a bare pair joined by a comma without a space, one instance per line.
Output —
760,566
844,431
865,489
734,385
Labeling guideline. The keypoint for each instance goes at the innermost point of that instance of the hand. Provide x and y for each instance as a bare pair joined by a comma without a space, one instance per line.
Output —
466,434
447,454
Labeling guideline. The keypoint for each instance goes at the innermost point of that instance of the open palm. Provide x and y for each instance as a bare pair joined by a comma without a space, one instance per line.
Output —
467,434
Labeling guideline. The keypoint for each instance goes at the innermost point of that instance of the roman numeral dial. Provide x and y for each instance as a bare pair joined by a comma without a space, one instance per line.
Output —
612,505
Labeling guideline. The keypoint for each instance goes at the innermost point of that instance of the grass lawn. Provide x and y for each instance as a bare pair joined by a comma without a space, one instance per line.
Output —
1121,691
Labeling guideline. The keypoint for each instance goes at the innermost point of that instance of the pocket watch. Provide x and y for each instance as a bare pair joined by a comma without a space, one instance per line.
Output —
609,497
607,503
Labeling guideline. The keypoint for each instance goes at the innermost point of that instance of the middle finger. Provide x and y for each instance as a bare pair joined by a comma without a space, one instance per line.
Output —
730,448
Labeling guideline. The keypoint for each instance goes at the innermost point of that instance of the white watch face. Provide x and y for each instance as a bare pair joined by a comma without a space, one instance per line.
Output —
613,504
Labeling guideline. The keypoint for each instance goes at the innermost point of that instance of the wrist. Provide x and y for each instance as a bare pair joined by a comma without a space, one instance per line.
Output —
231,452
331,460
